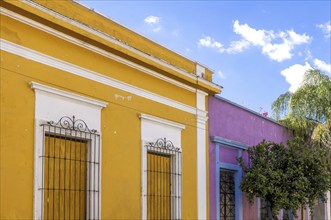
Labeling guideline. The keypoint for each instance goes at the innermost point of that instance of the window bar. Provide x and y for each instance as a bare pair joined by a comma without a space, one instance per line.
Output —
172,189
79,174
92,173
59,182
43,176
86,175
150,196
53,186
153,196
42,171
65,175
177,188
89,183
70,175
181,192
159,186
48,166
75,162
94,160
99,164
163,160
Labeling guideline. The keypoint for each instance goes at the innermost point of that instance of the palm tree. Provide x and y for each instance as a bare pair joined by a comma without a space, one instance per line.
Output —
307,111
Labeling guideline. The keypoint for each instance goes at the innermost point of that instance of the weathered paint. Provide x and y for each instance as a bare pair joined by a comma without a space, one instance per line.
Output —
241,128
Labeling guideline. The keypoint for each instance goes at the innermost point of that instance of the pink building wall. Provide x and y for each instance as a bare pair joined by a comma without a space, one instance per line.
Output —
237,124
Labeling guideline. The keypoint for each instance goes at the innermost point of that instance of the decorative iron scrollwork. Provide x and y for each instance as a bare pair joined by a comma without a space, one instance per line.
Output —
164,144
72,124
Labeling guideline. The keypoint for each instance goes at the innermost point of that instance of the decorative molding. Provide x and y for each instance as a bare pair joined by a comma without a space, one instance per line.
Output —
114,41
88,74
153,128
50,105
48,89
94,49
229,143
201,150
162,121
238,193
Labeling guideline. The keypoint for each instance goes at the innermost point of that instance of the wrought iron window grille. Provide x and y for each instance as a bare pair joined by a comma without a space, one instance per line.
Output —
164,180
72,124
163,143
70,170
227,195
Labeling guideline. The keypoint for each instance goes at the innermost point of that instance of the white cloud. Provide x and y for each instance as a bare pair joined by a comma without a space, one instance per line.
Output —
152,19
238,46
255,37
265,39
153,22
277,46
211,43
221,74
277,52
294,75
326,28
297,39
323,66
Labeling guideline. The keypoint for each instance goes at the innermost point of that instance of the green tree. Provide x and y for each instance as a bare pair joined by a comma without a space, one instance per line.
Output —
307,111
286,177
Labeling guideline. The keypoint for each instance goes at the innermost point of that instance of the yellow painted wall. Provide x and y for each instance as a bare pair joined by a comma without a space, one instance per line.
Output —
89,19
121,159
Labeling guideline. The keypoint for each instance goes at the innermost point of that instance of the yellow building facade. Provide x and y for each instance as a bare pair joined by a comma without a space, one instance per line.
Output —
97,121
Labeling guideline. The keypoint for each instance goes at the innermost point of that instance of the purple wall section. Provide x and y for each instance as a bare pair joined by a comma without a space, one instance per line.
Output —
231,121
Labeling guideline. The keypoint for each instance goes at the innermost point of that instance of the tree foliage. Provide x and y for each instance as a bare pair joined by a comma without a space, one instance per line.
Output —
286,177
296,175
308,111
308,108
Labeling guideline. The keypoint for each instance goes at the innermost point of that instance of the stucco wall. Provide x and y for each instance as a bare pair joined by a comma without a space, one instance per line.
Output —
233,122
47,56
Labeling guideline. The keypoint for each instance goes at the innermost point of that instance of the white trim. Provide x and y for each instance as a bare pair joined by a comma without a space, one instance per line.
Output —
162,121
87,46
153,128
176,189
88,74
143,180
117,42
40,87
201,150
50,105
328,205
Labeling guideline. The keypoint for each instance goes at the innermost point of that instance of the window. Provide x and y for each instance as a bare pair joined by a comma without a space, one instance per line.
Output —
227,195
70,170
263,209
164,176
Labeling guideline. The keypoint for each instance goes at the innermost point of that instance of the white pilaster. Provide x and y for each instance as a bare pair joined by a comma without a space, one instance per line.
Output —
328,206
201,154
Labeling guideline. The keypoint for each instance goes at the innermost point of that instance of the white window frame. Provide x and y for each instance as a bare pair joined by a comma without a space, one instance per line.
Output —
154,128
50,105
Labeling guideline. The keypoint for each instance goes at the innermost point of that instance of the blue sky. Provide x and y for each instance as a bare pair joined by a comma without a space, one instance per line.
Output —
257,49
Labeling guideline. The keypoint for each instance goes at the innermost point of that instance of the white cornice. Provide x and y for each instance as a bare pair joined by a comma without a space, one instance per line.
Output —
90,47
161,121
106,37
40,87
91,75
